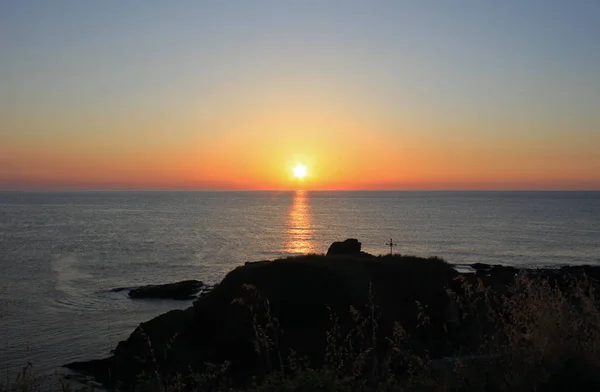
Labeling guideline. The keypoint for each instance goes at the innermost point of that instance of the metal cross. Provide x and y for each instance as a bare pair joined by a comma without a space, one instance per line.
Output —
391,245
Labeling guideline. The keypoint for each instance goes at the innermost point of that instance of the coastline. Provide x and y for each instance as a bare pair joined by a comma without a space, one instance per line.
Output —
293,300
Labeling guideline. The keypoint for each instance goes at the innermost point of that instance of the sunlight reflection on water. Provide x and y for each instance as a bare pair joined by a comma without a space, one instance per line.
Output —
299,231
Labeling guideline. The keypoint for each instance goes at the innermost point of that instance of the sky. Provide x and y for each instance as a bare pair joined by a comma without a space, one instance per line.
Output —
233,94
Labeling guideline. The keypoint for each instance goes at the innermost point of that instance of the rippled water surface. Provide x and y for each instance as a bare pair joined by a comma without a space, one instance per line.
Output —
61,253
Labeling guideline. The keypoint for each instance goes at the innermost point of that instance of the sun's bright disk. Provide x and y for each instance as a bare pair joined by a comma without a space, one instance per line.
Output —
300,171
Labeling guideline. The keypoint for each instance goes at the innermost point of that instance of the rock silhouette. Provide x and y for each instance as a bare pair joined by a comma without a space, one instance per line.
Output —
351,246
185,289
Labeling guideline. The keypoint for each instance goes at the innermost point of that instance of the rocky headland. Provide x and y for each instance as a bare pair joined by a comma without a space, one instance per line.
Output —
365,307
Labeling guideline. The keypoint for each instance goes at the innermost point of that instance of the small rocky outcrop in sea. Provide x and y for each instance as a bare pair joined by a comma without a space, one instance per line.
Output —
351,246
185,289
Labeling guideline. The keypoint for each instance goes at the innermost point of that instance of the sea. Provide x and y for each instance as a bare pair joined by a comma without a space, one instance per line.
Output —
61,253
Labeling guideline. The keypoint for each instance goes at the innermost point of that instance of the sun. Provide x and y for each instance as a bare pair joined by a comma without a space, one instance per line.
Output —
300,171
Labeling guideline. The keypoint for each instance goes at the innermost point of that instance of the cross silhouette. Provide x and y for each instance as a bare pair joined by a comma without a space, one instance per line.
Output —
391,244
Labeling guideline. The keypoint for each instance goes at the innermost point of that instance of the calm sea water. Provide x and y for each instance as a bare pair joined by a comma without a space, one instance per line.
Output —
61,253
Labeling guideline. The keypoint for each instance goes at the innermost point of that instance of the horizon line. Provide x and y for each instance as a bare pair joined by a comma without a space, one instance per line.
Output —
296,190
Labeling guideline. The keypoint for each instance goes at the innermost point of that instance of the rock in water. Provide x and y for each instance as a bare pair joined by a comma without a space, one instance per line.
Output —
180,290
351,246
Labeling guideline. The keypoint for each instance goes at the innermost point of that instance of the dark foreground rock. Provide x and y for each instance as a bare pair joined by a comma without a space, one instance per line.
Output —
303,293
185,289
299,298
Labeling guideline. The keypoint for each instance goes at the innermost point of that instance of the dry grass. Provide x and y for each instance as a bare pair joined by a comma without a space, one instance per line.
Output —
27,380
546,336
537,335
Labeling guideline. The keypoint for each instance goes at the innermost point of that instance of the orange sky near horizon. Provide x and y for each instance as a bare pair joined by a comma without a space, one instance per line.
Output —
258,151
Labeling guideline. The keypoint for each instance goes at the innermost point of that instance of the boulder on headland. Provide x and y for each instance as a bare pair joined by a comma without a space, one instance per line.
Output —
351,246
185,289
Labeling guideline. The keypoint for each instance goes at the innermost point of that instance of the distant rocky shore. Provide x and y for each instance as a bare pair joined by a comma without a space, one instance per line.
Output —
299,299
